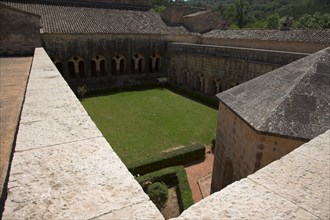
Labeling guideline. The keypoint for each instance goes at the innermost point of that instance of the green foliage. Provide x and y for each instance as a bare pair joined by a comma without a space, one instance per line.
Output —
176,157
315,21
302,13
160,9
142,125
158,194
242,8
160,2
259,24
273,21
171,175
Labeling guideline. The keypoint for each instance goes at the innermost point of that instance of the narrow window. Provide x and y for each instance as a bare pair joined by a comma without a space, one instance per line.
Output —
140,65
59,67
81,68
113,66
102,68
122,66
133,65
157,65
71,70
93,68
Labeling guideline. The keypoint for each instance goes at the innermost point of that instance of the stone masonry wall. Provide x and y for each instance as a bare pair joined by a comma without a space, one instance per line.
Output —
149,49
63,168
239,146
173,15
212,69
19,32
203,22
295,187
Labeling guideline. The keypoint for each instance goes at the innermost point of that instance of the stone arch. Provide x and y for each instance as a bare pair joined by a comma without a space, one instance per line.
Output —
118,64
71,69
76,66
102,67
137,65
81,68
58,63
154,63
183,78
201,81
93,68
211,87
218,85
98,65
196,82
228,174
172,74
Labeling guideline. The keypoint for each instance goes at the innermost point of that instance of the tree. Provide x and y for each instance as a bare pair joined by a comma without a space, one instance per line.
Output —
273,21
315,21
242,8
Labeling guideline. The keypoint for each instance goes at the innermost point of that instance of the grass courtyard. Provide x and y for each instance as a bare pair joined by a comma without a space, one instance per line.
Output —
143,124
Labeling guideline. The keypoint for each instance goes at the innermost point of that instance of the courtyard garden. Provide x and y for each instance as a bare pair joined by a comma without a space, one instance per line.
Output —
141,125
153,129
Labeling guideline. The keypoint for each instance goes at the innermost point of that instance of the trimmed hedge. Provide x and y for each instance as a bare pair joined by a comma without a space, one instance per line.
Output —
170,175
177,157
197,96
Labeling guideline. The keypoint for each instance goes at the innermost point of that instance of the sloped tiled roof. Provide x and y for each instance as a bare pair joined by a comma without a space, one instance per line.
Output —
308,36
293,100
75,18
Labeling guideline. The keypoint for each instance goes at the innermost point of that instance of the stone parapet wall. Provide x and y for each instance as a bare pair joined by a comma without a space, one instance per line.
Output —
295,187
63,168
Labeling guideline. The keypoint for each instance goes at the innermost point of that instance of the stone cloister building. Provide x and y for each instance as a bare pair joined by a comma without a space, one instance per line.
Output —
268,107
112,44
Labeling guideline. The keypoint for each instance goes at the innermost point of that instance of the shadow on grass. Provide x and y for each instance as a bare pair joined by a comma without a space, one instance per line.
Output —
199,97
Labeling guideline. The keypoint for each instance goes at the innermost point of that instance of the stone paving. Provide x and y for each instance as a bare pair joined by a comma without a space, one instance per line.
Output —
197,172
14,73
63,168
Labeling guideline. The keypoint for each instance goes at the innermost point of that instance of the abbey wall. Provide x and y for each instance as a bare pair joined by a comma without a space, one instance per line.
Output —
211,69
105,61
241,150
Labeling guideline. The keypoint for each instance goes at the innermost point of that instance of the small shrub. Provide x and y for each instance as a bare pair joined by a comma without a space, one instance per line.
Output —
171,175
213,145
82,90
158,194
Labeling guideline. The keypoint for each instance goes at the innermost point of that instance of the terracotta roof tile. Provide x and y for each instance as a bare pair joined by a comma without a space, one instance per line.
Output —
69,18
309,36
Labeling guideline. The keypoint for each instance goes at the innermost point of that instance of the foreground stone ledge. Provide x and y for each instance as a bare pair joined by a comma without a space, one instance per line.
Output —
63,168
295,187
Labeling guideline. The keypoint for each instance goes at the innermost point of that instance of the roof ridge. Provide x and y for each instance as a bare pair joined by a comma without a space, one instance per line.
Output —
311,64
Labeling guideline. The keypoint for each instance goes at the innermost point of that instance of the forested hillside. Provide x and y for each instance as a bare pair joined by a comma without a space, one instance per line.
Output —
266,13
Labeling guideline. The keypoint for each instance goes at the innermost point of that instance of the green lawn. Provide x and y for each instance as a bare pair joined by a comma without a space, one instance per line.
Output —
142,124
